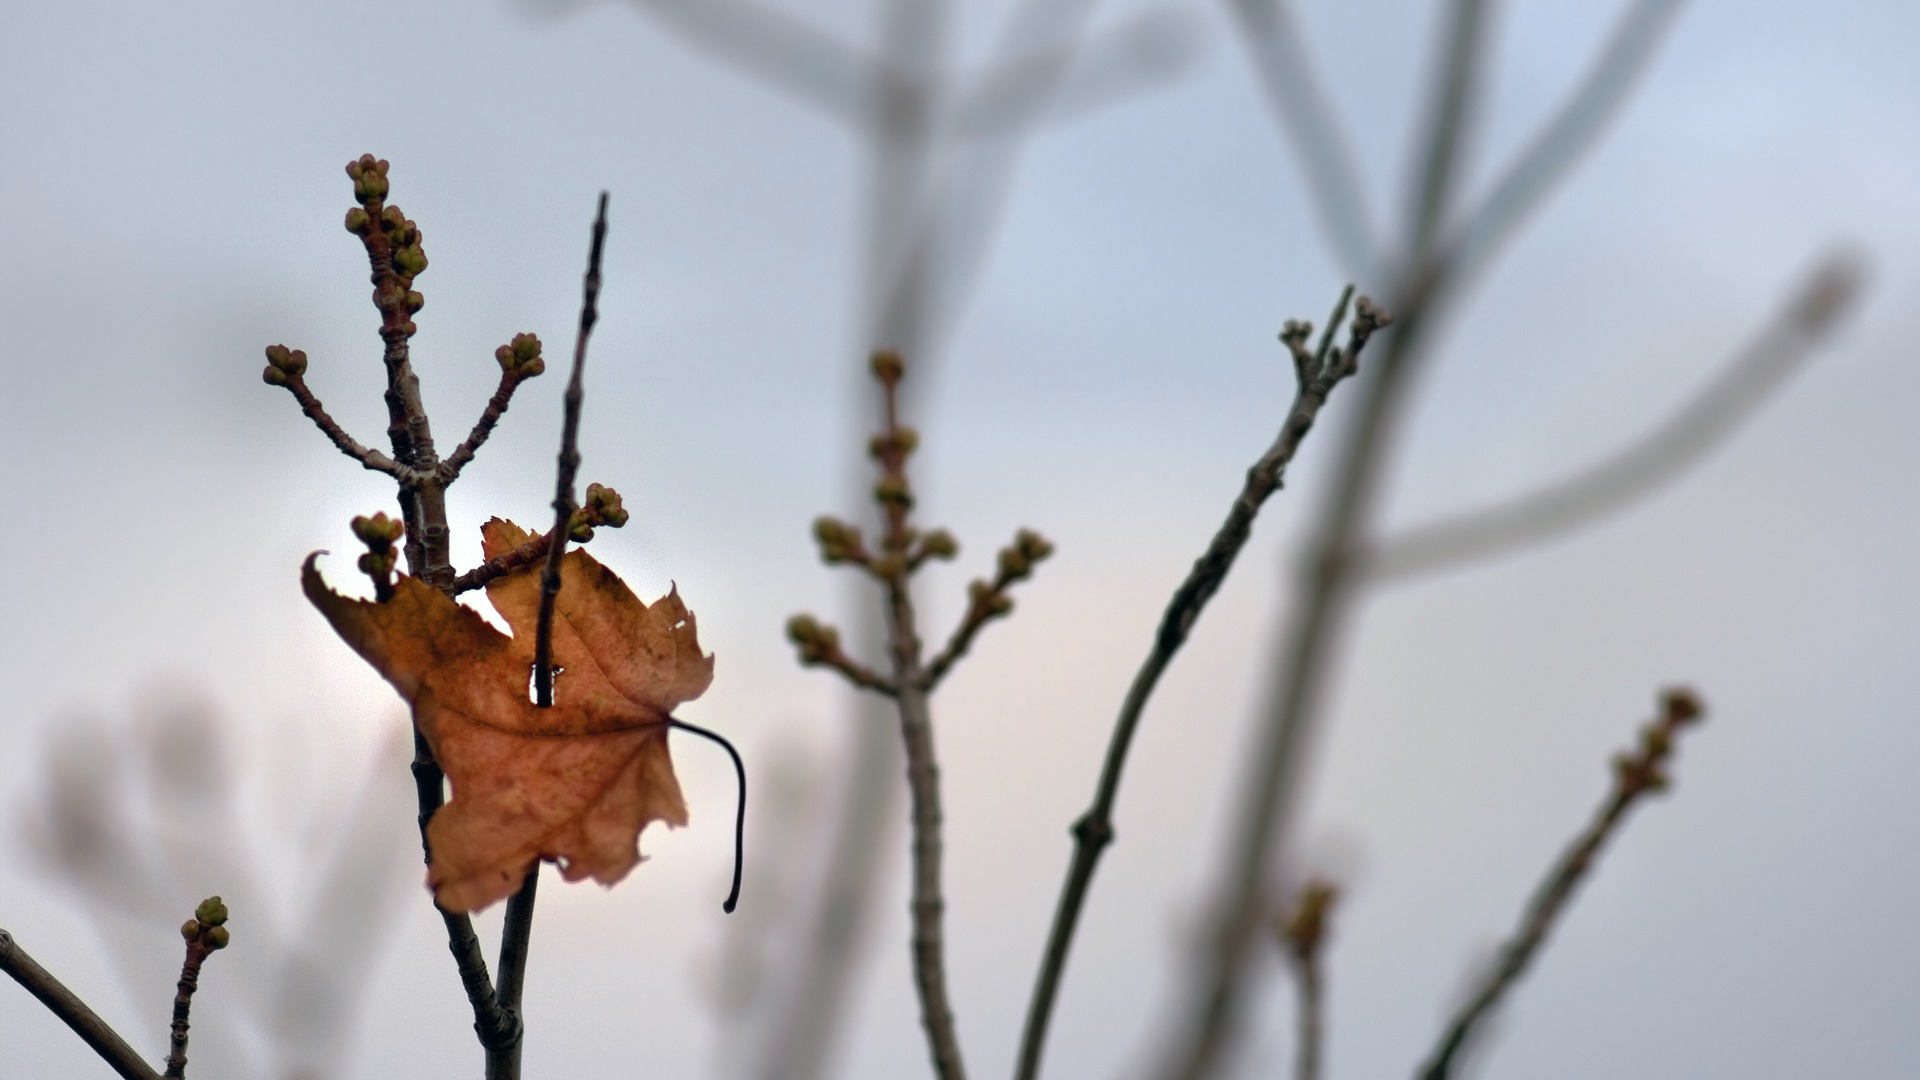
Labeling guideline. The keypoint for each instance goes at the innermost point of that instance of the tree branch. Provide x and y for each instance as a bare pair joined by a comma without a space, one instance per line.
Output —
770,45
510,380
205,933
1638,773
1317,373
1658,457
1320,145
988,601
291,376
1545,161
73,1012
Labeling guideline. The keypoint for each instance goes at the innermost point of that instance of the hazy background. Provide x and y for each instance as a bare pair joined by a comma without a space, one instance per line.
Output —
171,194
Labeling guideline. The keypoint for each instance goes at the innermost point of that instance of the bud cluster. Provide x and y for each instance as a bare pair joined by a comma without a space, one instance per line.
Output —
380,533
520,358
393,241
208,925
284,365
817,643
602,508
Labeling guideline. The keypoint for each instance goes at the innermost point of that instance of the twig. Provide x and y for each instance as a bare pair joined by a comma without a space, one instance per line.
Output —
1321,148
1637,773
1690,434
1302,932
1576,126
819,646
519,919
63,1003
928,903
205,933
287,367
507,562
510,379
987,600
1317,373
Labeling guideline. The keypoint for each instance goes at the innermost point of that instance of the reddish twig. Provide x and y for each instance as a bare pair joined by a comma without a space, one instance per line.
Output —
1637,773
287,367
1316,373
73,1012
205,933
534,550
520,360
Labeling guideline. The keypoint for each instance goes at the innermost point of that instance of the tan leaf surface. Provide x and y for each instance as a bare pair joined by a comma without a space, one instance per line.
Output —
575,783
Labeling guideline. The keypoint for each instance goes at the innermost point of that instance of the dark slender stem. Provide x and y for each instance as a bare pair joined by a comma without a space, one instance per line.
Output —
514,937
73,1012
1317,373
740,806
1638,773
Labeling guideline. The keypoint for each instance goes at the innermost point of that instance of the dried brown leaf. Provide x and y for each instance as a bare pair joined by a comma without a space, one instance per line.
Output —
575,783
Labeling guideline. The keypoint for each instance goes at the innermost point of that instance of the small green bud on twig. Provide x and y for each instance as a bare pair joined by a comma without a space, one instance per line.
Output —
521,356
887,366
283,365
211,911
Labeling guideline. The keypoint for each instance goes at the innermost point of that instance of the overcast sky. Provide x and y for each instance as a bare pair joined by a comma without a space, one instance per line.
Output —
172,192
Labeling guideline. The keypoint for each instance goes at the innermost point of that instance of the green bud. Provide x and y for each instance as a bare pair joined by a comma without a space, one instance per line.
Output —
1031,544
887,365
893,489
939,544
415,302
190,929
274,376
579,528
358,223
525,346
393,219
211,911
218,937
379,529
1014,563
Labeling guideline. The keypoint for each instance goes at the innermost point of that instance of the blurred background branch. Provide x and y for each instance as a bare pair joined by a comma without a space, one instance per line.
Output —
141,817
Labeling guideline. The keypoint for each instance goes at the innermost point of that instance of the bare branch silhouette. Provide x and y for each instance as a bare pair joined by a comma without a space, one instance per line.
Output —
1702,424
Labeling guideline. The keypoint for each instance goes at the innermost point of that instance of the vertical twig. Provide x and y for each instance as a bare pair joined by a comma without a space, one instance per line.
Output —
928,904
519,919
205,933
63,1003
1316,374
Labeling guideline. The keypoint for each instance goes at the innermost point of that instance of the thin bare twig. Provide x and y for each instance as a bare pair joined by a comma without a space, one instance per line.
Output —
928,903
793,55
518,928
987,601
73,1012
1303,932
510,380
819,646
296,384
507,562
1699,426
1635,774
1317,372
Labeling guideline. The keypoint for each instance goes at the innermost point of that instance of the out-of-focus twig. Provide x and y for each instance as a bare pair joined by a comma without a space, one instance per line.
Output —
1303,932
1316,373
73,1012
1578,124
1639,772
1701,424
1320,146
